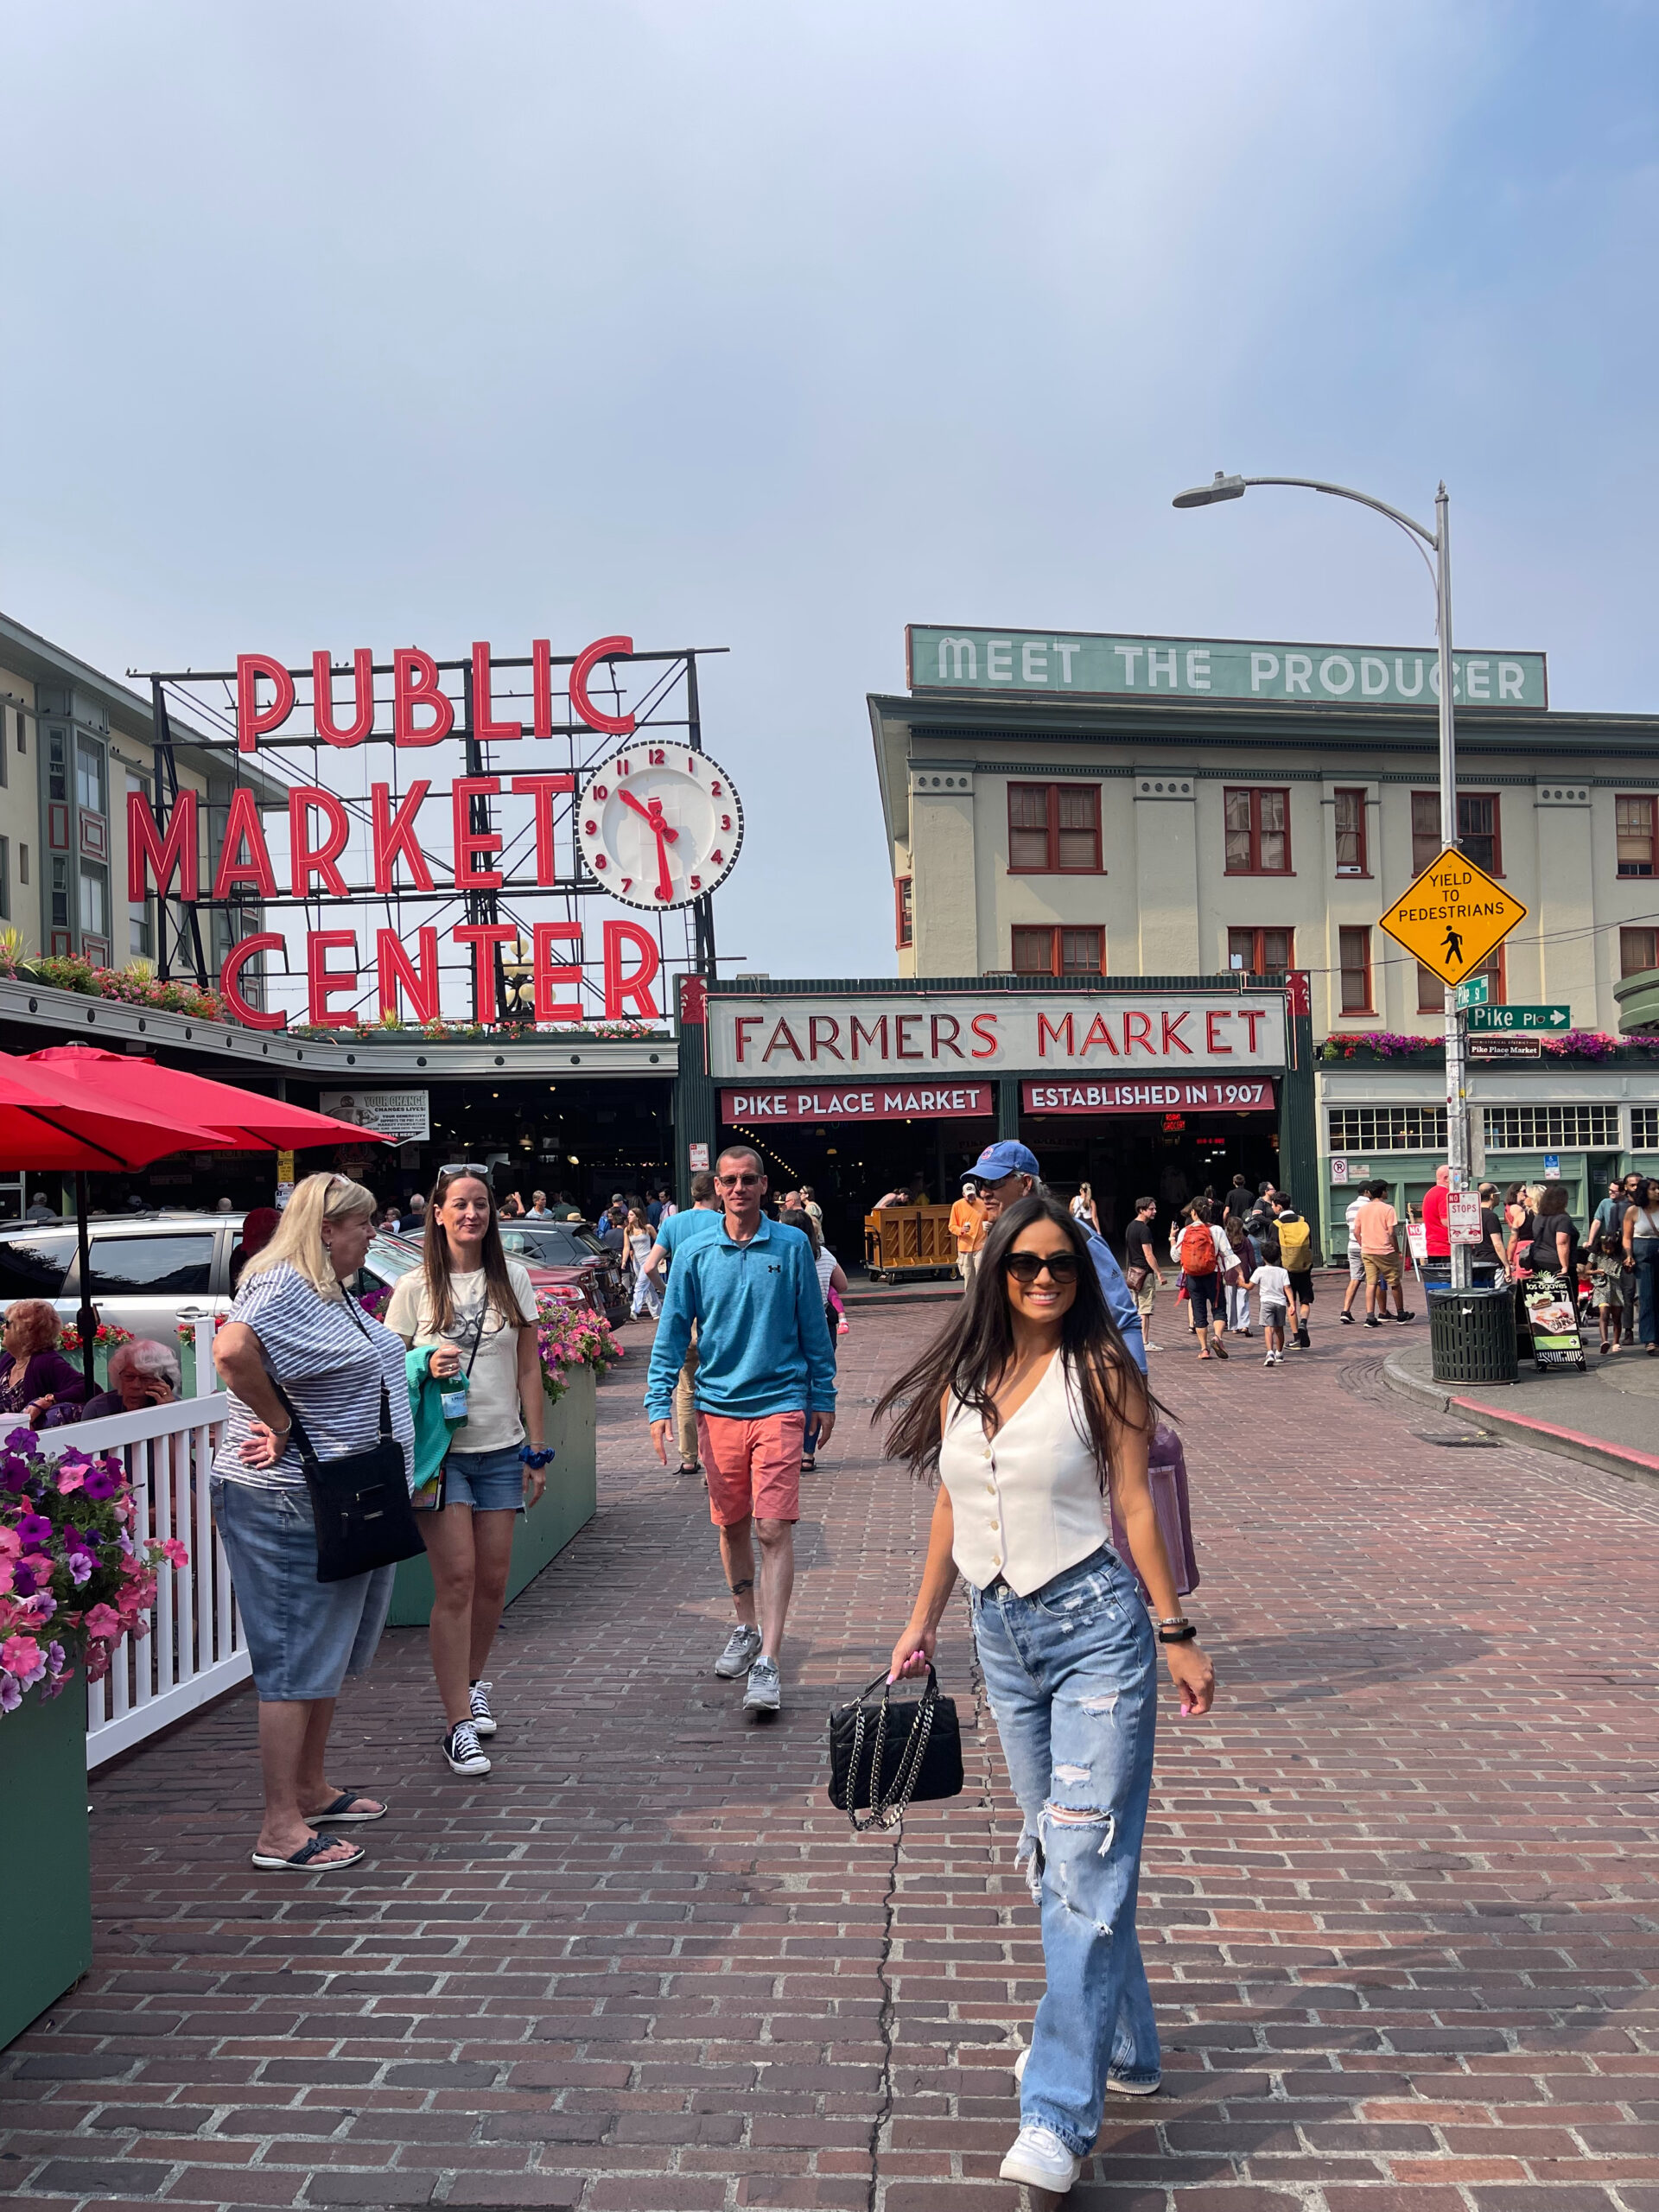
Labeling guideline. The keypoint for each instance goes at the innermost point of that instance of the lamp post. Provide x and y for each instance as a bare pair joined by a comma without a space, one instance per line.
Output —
1459,1147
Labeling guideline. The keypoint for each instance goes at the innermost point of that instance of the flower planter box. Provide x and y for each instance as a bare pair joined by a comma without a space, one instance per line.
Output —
44,1843
566,1505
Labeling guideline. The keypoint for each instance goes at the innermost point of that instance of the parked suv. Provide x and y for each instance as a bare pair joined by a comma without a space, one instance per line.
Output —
150,1271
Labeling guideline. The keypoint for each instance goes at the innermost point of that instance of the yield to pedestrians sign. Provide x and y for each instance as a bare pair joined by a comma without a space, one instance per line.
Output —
1453,916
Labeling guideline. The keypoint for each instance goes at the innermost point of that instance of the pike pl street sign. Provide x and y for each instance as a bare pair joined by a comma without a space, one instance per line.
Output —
1454,917
1497,1020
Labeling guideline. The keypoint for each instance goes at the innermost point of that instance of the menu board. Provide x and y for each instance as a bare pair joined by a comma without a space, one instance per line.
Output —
1553,1316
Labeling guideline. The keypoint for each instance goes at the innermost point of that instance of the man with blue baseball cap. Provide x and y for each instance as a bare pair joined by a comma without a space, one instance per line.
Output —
1007,1171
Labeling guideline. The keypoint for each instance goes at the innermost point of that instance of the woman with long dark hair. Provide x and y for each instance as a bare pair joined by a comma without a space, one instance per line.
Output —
476,1310
1032,1415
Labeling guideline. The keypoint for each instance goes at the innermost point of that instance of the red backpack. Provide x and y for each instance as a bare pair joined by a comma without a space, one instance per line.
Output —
1198,1249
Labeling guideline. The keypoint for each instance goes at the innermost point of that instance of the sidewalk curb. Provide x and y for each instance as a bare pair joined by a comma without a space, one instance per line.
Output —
1635,1467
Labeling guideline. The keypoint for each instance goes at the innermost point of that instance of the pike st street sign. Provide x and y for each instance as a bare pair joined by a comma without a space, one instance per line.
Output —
1453,916
1475,992
1497,1020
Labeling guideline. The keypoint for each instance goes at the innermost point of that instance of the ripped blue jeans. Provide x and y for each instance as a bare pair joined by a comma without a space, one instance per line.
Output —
1071,1672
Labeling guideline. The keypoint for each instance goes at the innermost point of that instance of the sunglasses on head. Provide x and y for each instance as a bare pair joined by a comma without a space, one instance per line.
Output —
1025,1267
465,1168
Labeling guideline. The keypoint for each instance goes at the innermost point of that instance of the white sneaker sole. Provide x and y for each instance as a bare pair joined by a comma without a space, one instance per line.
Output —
484,1728
1036,2175
479,1765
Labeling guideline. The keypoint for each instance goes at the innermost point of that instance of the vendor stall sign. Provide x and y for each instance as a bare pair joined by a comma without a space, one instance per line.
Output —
1552,1315
1193,1095
400,1114
1041,663
923,1037
878,1103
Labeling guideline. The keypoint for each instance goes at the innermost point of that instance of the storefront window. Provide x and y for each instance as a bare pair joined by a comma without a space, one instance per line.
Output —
1258,832
1634,824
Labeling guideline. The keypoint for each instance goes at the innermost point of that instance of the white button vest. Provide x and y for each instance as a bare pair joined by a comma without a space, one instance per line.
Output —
1027,1503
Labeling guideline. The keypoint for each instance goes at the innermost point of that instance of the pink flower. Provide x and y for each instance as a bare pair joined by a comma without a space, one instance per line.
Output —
101,1623
174,1553
6,1577
23,1657
72,1473
11,1543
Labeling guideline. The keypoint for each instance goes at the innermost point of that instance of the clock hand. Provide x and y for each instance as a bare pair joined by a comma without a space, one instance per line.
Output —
664,882
628,799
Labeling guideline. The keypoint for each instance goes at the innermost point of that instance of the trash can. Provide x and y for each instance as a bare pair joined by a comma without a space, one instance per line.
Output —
1471,1334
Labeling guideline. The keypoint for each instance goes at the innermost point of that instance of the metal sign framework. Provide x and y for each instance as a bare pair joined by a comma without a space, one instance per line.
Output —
670,702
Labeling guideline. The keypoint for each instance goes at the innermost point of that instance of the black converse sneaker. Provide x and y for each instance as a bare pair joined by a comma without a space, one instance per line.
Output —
483,1719
463,1751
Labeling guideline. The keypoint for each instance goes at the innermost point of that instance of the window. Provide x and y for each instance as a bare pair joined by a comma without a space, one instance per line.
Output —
1387,1129
1354,957
1430,988
1261,952
1350,834
1638,950
57,764
34,1266
23,864
160,1266
5,879
23,741
1644,1128
1551,1128
60,894
1258,832
1634,825
89,775
1478,829
1054,829
94,901
905,913
1047,952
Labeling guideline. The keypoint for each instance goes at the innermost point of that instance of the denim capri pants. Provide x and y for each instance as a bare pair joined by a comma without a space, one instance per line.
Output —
304,1637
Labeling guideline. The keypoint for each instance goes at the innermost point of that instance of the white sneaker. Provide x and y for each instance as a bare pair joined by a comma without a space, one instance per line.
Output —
1147,1345
479,1699
1040,2160
462,1749
742,1648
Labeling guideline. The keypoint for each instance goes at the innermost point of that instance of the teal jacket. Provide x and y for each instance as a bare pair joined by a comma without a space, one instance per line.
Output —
432,1431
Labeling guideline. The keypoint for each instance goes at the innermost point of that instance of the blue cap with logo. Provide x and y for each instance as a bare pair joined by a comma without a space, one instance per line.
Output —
1008,1158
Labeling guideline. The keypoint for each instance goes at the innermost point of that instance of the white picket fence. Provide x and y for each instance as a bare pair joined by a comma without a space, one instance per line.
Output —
194,1648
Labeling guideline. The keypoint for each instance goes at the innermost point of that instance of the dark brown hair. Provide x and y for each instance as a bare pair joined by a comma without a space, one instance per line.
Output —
971,1354
434,1257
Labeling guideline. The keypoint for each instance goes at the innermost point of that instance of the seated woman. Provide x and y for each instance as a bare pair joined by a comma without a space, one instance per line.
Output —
142,1374
35,1375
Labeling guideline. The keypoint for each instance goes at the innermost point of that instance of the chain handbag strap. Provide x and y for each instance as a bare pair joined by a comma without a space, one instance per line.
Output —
887,1809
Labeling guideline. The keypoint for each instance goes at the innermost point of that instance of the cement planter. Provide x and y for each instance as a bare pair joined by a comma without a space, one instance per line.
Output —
45,1849
567,1506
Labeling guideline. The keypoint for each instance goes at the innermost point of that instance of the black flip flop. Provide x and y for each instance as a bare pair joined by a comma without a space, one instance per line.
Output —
340,1810
304,1859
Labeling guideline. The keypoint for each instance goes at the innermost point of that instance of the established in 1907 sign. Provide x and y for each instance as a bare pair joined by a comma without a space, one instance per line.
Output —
1191,1095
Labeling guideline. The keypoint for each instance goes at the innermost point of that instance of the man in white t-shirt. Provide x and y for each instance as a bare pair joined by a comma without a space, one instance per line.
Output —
1356,1262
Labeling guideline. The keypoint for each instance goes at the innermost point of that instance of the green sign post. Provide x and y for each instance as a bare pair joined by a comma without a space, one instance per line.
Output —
1497,1020
1475,992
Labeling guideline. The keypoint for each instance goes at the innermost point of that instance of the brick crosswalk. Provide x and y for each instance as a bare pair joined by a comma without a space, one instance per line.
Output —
1400,1907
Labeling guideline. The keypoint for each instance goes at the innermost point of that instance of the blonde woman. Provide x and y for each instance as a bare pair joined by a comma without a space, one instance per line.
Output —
648,1292
1083,1208
293,1325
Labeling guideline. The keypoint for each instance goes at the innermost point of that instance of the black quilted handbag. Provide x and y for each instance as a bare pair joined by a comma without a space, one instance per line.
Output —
886,1755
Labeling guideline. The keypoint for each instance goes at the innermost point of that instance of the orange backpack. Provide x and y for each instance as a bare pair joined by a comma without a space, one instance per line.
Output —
1198,1249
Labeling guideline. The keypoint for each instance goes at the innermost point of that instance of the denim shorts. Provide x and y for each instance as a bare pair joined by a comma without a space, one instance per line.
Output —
304,1637
490,1482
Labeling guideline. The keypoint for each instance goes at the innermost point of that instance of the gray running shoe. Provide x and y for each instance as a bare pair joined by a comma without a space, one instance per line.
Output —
742,1648
764,1693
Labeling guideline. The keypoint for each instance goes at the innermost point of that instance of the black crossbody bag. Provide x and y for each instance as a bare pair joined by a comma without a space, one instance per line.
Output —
359,1501
887,1755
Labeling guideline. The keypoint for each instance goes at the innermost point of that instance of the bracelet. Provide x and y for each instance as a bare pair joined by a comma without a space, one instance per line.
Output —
1177,1632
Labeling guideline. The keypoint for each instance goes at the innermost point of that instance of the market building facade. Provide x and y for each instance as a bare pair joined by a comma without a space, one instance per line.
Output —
1088,808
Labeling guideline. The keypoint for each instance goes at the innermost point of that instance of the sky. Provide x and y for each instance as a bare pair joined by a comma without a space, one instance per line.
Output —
777,326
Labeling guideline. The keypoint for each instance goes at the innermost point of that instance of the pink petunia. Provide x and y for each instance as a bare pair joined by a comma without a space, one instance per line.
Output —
102,1622
72,1473
22,1656
11,1543
174,1553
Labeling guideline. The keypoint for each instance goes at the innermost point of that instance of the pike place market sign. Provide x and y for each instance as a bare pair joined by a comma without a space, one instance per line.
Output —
1046,664
781,1041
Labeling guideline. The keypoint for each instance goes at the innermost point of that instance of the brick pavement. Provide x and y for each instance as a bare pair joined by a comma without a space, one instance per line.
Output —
1400,1907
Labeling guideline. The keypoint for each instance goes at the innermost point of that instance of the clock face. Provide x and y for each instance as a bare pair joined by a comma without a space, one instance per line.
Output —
659,825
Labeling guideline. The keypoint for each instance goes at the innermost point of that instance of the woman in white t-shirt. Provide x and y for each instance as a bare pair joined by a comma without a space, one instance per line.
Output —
647,1292
476,1307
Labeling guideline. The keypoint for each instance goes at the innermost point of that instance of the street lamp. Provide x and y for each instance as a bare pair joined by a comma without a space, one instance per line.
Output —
1458,1148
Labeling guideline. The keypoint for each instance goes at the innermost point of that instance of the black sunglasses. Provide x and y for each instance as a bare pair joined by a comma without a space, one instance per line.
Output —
1025,1267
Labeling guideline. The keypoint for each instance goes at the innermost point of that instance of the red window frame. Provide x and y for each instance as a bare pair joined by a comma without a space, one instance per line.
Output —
1257,948
1362,865
1425,841
1362,968
1637,870
1056,933
1255,793
904,914
1052,864
1430,988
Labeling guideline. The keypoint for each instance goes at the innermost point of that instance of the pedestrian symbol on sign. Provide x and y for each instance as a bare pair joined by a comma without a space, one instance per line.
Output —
1453,947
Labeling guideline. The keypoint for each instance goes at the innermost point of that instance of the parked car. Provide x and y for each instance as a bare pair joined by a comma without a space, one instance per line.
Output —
571,1244
149,1271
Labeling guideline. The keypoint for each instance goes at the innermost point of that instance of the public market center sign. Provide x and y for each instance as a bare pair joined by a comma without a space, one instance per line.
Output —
1048,663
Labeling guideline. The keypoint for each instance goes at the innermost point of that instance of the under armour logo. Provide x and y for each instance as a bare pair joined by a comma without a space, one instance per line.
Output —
775,1268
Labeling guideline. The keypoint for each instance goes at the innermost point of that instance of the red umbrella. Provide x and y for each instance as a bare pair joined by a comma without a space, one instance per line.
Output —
48,1121
243,1117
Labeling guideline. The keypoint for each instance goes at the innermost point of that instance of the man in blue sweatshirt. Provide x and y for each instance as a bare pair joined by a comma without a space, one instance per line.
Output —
765,1392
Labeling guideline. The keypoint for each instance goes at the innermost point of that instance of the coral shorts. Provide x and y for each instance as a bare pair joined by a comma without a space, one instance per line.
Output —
753,1466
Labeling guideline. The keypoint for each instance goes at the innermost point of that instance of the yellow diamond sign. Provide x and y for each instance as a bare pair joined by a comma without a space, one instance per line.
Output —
1453,916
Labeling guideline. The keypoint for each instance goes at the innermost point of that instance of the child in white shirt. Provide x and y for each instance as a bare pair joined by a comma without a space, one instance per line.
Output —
1273,1283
